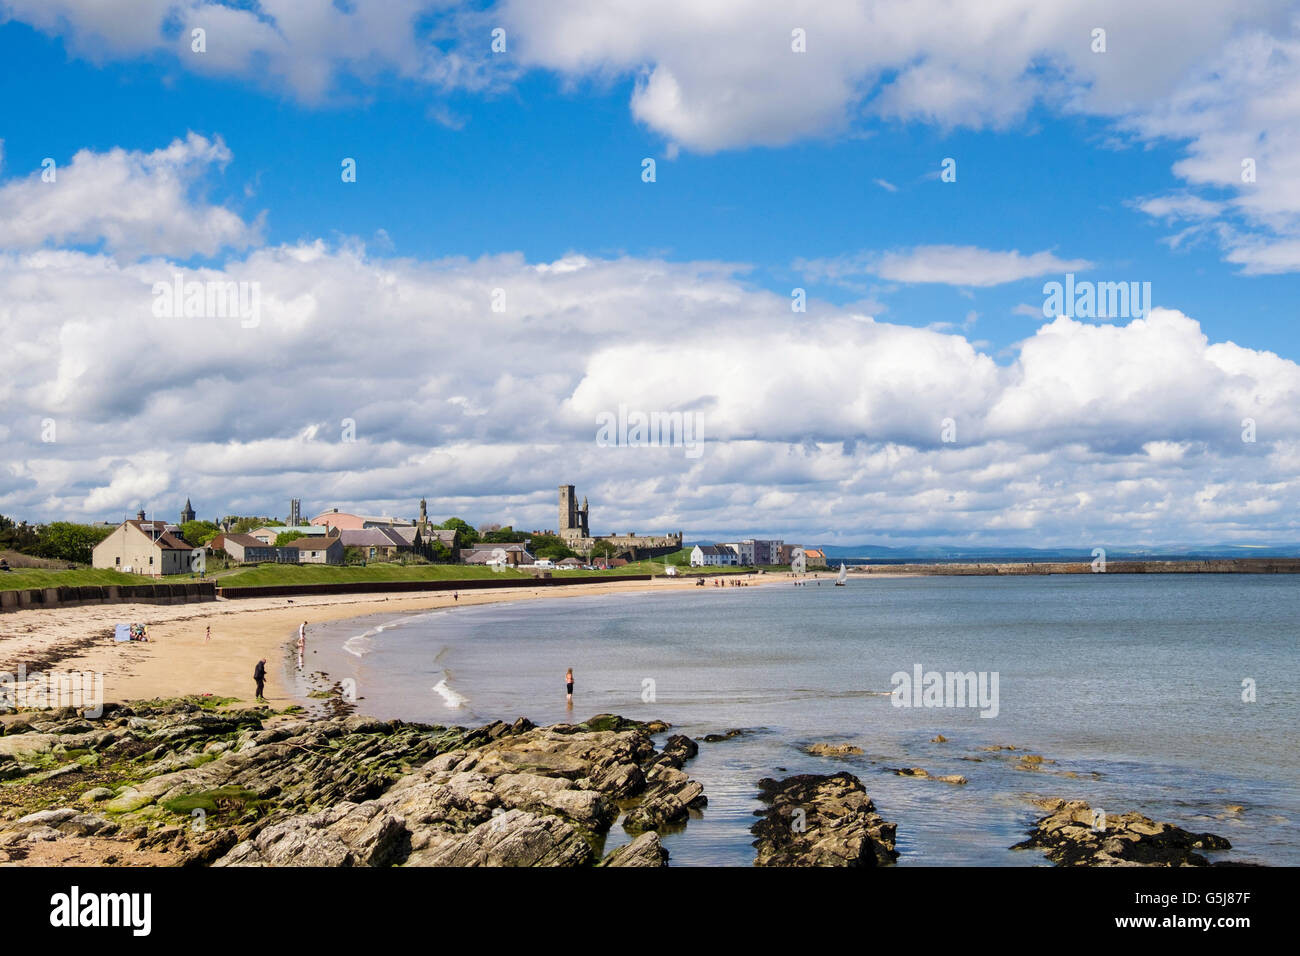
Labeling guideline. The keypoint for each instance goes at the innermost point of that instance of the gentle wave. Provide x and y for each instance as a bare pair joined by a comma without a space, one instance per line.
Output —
452,698
359,645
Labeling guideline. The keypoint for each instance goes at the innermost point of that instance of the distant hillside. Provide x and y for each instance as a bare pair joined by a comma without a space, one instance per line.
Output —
879,554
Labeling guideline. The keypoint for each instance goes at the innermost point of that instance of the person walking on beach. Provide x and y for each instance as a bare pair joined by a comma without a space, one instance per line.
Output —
455,596
207,634
259,675
568,685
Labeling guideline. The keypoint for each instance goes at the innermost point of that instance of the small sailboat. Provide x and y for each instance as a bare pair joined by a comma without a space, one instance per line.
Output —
842,578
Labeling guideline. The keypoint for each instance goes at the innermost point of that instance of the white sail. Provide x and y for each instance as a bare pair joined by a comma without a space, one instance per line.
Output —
843,576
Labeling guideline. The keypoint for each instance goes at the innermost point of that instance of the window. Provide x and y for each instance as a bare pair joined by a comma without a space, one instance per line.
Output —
151,559
118,559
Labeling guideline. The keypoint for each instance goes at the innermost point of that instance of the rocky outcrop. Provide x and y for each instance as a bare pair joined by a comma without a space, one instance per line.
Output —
729,735
924,774
345,835
1073,834
833,750
669,797
515,838
645,850
814,820
52,824
254,788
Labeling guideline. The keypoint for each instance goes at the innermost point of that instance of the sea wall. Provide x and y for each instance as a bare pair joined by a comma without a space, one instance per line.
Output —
70,596
382,587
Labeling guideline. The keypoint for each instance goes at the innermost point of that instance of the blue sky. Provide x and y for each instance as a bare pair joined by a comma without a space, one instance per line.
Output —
465,160
545,171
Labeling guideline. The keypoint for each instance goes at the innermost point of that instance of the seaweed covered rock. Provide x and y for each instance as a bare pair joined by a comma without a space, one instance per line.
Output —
194,785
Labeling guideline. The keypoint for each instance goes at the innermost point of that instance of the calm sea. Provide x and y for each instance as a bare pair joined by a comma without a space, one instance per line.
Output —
1131,684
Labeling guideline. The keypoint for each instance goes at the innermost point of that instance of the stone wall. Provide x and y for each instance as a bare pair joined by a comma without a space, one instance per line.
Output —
108,594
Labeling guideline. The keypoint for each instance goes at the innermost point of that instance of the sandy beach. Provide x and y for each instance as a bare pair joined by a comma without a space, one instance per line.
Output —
178,661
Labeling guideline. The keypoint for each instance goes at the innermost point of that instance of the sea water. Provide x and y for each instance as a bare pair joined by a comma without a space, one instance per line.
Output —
1135,689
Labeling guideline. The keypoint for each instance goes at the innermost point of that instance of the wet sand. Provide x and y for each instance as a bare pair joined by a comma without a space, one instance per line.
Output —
178,661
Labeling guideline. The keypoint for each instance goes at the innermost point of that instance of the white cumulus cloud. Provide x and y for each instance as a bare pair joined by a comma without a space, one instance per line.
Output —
134,203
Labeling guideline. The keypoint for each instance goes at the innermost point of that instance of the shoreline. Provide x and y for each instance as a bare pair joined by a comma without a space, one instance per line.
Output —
177,662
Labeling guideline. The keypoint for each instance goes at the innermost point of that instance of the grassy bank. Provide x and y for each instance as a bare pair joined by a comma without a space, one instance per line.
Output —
280,574
21,579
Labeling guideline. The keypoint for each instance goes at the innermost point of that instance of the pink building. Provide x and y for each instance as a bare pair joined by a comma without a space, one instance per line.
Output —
346,521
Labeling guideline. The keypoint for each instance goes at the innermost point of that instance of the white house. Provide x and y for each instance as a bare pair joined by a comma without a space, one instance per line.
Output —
706,555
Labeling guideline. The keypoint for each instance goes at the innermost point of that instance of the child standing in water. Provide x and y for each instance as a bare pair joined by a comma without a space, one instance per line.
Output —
568,685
